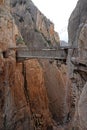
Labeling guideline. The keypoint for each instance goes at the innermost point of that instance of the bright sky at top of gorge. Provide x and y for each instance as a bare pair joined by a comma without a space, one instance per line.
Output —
58,11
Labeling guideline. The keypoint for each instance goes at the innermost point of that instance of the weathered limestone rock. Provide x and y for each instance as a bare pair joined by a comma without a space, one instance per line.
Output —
18,109
76,21
13,105
82,42
32,93
58,91
78,74
35,28
37,92
82,108
1,1
38,32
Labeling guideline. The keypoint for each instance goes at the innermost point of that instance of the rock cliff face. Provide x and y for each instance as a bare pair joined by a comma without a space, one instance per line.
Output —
78,66
23,97
33,94
38,32
35,28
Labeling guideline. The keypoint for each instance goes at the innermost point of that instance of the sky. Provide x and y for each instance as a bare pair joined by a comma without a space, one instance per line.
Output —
58,11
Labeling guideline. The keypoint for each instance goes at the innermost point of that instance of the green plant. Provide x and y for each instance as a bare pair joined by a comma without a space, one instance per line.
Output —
49,42
36,30
19,40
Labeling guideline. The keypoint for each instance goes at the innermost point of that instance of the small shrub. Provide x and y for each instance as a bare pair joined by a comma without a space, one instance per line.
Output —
36,30
19,40
49,42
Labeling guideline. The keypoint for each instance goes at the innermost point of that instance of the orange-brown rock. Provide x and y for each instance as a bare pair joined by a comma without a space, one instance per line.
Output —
37,91
1,1
18,109
33,94
38,32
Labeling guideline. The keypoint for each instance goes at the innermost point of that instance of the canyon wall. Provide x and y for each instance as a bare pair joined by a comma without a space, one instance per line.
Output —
23,97
38,32
77,63
34,93
36,29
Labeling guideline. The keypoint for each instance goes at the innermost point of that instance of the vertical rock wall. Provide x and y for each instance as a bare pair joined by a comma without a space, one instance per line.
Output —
38,32
77,64
19,86
33,94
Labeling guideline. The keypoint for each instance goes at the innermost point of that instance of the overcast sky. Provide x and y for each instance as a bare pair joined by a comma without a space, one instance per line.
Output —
58,11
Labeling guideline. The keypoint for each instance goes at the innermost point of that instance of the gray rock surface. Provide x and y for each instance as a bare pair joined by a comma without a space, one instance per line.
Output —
36,29
82,108
77,30
38,32
76,21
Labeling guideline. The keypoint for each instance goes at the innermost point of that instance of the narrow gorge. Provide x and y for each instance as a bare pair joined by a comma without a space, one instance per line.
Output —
42,94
